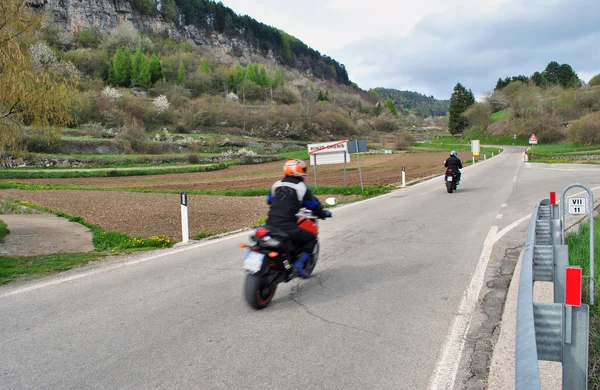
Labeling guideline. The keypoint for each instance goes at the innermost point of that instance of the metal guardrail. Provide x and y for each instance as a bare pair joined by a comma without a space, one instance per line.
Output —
548,331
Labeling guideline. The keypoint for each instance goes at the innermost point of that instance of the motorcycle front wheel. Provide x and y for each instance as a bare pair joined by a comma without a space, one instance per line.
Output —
311,263
255,291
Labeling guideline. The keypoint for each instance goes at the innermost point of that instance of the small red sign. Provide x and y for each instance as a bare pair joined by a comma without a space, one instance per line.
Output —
573,286
533,139
553,197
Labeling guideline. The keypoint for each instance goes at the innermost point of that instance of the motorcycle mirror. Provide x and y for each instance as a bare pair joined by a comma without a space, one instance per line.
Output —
331,201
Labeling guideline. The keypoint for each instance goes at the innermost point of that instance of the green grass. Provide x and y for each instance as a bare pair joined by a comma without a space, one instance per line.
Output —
333,190
500,116
13,268
3,230
104,172
579,254
563,153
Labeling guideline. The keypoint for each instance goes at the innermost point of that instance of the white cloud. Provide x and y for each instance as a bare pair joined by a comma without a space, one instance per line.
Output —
428,46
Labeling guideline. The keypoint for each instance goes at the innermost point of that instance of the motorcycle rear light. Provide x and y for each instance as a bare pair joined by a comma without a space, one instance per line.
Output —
273,254
242,246
261,232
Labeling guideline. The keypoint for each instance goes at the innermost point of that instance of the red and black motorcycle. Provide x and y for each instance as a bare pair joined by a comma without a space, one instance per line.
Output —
451,179
269,259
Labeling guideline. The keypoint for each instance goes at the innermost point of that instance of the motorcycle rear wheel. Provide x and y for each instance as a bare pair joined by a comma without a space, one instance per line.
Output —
254,290
311,263
449,186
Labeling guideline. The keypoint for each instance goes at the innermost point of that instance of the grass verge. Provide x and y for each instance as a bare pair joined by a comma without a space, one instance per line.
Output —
579,254
3,230
12,268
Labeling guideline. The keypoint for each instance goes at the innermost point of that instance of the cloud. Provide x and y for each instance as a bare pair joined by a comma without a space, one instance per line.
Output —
478,42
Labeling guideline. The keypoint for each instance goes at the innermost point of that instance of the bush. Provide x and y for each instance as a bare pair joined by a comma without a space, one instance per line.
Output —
548,128
133,133
404,141
586,131
284,95
385,125
92,63
124,35
88,39
478,114
41,144
595,81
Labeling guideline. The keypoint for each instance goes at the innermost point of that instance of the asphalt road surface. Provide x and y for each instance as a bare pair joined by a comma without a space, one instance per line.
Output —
397,283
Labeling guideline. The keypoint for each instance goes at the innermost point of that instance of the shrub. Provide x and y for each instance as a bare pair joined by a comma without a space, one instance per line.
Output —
38,143
478,114
93,63
88,39
595,81
548,128
133,132
384,125
285,95
586,131
404,141
124,35
192,158
94,130
42,56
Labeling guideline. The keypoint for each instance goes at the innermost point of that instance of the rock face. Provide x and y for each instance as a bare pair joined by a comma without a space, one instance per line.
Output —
104,15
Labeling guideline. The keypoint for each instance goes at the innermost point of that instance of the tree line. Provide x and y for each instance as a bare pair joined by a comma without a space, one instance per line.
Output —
208,14
554,74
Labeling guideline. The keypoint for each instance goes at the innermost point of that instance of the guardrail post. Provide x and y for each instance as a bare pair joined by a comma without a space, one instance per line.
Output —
561,262
575,353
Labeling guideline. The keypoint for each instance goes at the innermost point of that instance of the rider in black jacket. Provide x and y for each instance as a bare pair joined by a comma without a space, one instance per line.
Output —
454,163
286,198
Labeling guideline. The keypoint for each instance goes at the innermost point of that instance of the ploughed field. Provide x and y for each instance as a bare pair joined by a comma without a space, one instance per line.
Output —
148,214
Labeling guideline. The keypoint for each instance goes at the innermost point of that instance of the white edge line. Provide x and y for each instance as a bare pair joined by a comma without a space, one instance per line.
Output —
118,265
447,366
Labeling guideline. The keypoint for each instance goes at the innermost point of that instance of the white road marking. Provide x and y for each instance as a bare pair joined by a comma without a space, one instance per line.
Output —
499,216
447,367
504,205
117,266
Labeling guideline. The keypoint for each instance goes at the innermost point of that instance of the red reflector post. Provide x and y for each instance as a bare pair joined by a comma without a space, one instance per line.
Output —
553,198
573,286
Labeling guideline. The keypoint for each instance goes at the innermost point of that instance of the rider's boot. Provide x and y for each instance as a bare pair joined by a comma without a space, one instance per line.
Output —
299,264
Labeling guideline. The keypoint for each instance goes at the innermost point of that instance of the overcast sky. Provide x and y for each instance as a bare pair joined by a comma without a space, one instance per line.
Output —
429,45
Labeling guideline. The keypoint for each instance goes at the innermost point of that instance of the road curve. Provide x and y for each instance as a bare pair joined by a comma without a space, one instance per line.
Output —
379,313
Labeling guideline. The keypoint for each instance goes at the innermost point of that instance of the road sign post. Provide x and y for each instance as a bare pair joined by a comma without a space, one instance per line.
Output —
185,231
533,141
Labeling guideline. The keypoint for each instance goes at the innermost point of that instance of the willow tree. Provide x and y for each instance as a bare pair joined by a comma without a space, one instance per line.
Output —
38,97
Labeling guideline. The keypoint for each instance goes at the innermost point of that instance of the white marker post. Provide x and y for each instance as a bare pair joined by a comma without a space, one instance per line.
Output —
403,176
185,231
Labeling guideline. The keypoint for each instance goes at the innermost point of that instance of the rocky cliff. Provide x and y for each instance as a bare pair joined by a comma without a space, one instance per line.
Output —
104,15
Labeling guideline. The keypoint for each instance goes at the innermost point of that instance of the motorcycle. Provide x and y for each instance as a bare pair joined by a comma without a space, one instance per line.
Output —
450,178
269,259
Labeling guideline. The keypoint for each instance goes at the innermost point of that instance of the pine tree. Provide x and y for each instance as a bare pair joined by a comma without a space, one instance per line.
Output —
121,71
460,100
180,74
156,71
277,79
389,104
145,77
136,67
204,67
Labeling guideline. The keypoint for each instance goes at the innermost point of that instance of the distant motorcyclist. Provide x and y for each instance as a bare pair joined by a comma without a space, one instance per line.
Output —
454,163
286,198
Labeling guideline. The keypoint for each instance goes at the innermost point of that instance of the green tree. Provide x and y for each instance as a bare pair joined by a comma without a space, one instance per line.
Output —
121,70
156,71
145,77
460,100
169,10
595,81
252,73
180,74
277,79
389,104
377,109
139,61
204,67
539,79
239,75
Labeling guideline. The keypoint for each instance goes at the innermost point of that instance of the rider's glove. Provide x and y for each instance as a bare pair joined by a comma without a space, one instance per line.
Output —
327,214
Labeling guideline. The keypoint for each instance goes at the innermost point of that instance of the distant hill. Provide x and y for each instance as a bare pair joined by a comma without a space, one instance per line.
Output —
414,102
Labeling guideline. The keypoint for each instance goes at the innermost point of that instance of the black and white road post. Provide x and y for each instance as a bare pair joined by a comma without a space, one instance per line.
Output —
403,176
185,231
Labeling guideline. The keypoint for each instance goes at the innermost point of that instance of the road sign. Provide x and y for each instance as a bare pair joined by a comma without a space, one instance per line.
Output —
357,146
475,147
329,152
577,205
533,139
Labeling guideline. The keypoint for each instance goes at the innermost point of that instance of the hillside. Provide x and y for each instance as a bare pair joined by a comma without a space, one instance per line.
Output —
414,102
204,22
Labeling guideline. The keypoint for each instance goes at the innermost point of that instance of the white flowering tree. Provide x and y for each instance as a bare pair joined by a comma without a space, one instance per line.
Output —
161,104
111,93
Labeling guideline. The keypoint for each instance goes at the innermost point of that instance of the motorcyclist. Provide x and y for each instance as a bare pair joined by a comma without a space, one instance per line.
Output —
286,198
454,163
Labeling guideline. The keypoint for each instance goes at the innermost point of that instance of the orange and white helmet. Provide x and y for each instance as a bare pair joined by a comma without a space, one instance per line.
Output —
294,167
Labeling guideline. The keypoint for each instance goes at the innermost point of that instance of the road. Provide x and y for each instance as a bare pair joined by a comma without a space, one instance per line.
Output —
397,288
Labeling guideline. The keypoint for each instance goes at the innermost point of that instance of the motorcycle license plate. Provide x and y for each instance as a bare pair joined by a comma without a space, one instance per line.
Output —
449,178
253,261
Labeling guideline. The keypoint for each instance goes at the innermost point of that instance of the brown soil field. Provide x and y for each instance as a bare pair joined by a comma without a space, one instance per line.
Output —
376,170
148,214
